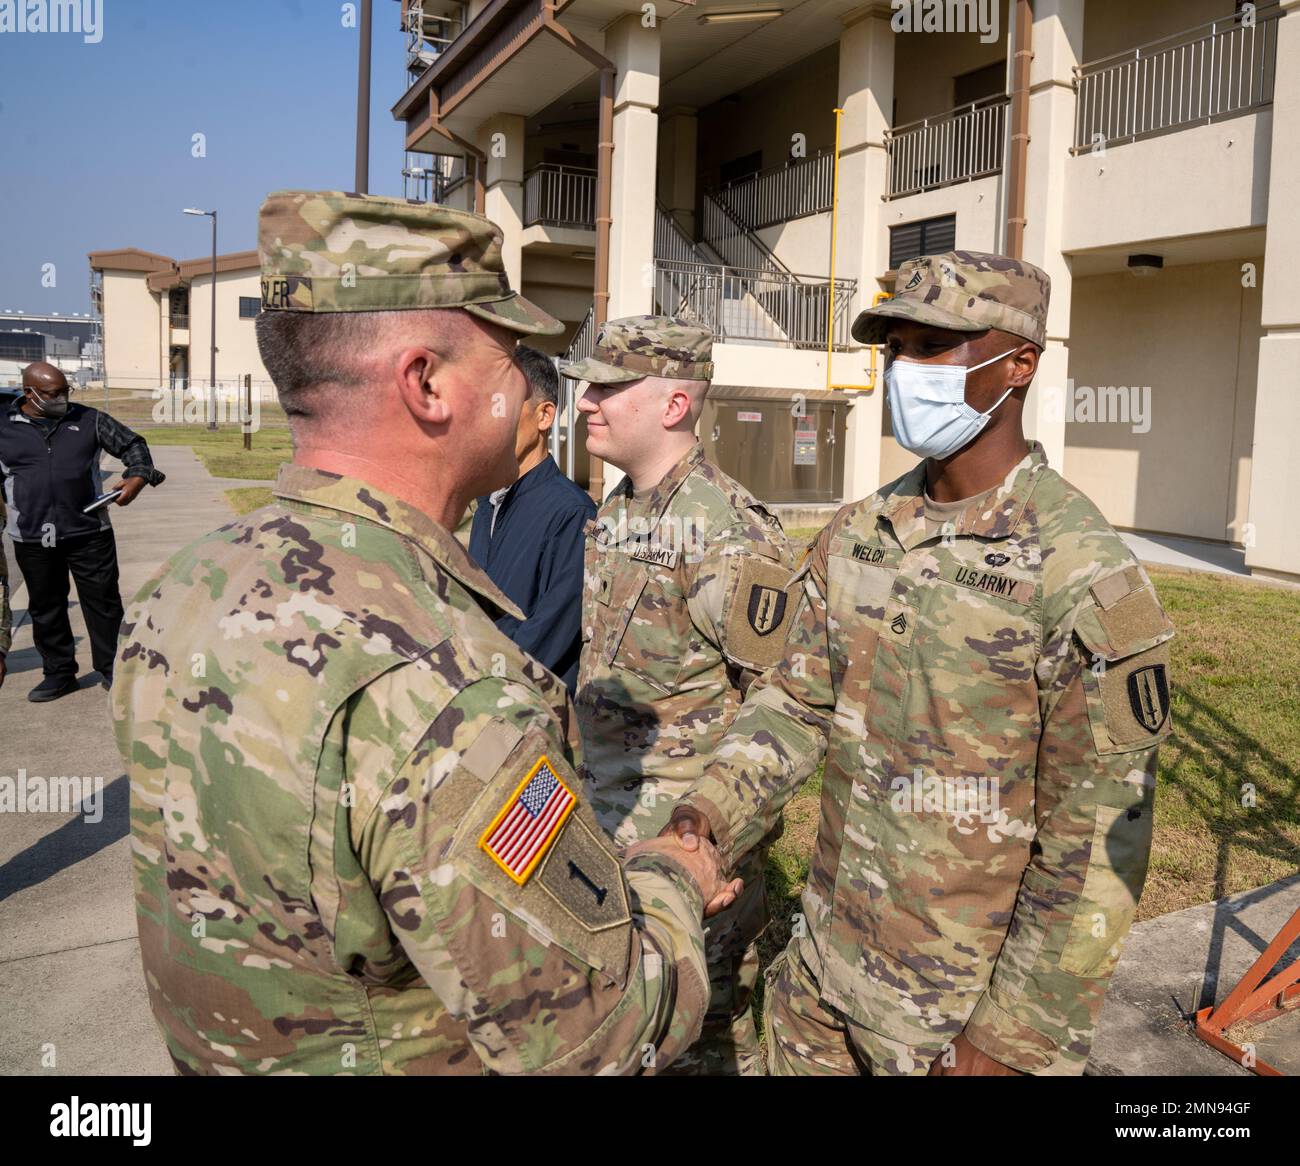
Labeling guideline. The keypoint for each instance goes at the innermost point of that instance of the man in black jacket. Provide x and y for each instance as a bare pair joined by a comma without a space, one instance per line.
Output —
49,465
529,537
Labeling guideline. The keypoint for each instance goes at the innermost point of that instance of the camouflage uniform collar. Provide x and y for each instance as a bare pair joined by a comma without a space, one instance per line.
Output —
327,491
993,515
656,502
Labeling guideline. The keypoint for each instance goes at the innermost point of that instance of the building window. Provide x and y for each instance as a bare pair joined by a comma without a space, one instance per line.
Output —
249,307
927,237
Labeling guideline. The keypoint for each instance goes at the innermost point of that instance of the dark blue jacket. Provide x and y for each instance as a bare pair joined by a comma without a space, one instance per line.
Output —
49,474
535,556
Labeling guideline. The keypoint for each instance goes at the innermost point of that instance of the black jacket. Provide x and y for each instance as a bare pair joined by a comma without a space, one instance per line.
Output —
49,477
535,556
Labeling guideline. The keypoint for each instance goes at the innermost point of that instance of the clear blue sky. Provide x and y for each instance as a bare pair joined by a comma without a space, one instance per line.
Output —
96,139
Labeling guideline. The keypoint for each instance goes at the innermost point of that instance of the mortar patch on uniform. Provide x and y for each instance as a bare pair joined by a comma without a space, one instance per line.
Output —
525,827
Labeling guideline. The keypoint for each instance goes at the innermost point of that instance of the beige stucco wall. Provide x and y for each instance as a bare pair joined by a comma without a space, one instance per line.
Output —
132,340
1197,180
1192,335
926,63
236,339
797,100
558,284
803,245
1113,26
976,205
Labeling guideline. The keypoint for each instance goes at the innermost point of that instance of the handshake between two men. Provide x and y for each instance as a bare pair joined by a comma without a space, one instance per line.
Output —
687,840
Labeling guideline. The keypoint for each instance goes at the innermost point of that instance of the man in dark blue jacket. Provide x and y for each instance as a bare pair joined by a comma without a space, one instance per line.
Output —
49,466
529,536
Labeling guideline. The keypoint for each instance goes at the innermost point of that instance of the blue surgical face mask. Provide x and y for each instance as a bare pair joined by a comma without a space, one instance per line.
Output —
928,406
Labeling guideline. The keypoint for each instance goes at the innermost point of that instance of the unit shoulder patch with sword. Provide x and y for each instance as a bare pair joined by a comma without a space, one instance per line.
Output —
1126,633
760,611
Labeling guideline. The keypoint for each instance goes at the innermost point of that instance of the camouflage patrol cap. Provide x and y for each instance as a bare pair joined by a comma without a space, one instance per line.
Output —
967,291
325,251
646,346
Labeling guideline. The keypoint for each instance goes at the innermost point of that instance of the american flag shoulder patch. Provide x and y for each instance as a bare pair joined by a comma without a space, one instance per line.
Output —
524,828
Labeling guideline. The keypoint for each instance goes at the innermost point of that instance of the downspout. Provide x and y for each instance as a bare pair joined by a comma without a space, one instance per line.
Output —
604,197
1017,166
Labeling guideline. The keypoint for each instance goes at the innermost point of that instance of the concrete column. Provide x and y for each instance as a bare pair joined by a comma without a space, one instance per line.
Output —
501,138
1272,535
164,337
678,143
1057,48
634,51
866,94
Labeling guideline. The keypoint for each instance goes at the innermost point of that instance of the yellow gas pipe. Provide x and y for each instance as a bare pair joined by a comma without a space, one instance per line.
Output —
830,319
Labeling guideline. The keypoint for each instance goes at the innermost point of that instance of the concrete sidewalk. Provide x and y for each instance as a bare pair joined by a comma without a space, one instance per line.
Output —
1174,965
72,993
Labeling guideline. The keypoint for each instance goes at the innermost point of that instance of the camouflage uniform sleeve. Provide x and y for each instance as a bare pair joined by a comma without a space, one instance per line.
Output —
780,734
565,967
740,598
1104,692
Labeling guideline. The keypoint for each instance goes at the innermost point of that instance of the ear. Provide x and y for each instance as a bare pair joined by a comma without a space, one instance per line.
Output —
677,408
545,416
1024,364
416,375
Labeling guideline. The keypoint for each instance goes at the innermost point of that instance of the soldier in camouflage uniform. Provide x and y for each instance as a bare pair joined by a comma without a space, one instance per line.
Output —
982,665
359,844
685,606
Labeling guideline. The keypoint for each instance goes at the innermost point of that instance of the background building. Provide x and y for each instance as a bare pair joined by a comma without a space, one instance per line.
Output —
1153,140
157,320
71,342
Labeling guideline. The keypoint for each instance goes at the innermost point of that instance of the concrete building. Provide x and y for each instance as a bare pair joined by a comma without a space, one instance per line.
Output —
680,158
157,319
71,342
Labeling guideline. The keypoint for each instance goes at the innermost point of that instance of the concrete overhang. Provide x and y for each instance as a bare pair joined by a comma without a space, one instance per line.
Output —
1176,252
540,239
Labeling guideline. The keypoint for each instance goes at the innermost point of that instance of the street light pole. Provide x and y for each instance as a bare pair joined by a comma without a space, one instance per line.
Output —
212,375
363,103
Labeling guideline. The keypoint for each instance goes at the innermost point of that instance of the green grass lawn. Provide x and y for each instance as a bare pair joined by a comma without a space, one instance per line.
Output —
222,451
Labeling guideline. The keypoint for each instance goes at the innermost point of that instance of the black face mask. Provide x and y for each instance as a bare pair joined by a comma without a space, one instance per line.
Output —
58,407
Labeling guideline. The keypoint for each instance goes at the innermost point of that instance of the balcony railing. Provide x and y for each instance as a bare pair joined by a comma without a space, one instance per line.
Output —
427,177
179,321
746,305
429,35
671,241
782,193
958,146
735,243
1214,70
560,196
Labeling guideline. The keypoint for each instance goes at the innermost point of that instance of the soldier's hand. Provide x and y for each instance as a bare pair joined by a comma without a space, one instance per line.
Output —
688,826
704,866
967,1061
